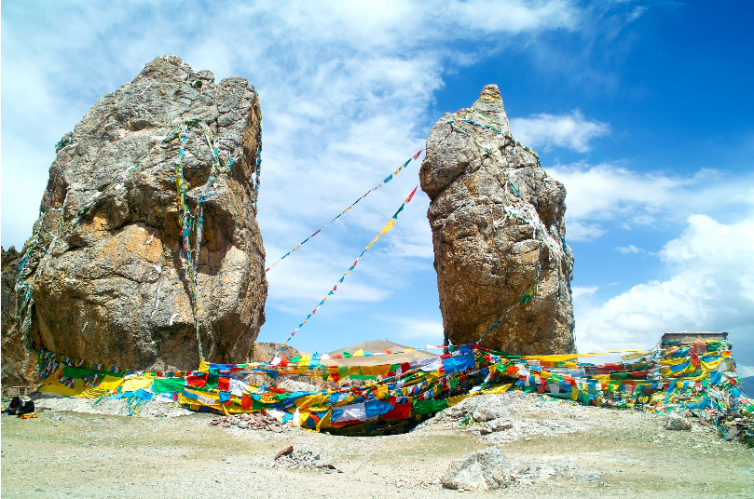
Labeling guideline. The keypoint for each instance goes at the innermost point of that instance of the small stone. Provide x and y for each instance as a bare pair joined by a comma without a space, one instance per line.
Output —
482,470
498,425
676,423
288,450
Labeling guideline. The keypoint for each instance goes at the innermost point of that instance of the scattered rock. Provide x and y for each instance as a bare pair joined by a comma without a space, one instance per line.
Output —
498,425
515,416
732,433
482,470
498,227
302,459
483,414
284,452
297,386
677,423
249,422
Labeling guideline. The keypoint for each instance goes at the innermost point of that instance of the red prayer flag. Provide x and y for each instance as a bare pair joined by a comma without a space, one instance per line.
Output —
400,411
246,402
416,156
198,380
408,199
224,384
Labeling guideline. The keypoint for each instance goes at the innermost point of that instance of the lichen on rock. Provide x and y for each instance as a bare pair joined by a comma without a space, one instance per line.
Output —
498,234
110,275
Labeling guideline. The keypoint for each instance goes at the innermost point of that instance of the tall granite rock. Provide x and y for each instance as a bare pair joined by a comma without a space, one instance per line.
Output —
19,365
111,262
498,235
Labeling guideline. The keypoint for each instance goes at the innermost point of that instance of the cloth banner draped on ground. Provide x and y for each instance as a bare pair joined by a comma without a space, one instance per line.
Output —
700,379
385,181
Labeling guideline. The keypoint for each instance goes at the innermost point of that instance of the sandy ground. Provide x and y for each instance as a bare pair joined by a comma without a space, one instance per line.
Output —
598,453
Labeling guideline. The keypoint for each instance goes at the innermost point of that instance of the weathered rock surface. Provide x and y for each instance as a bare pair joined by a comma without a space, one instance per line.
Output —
677,423
113,286
19,368
498,232
481,470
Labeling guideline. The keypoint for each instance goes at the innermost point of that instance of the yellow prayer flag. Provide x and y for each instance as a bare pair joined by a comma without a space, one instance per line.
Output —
373,241
387,227
110,383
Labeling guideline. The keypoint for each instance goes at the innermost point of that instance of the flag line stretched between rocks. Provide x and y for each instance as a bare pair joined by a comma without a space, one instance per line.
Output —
384,231
387,179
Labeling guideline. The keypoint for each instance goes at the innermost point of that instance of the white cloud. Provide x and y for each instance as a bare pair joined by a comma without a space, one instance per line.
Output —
608,193
711,288
583,291
345,90
430,331
569,131
629,250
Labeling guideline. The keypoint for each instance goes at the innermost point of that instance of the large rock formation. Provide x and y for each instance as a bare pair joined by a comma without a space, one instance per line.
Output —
498,234
108,270
19,366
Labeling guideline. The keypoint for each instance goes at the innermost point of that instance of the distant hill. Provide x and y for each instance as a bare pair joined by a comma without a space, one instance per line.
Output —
373,346
748,386
376,347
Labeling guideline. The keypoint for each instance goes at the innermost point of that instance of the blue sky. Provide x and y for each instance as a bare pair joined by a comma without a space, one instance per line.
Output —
643,109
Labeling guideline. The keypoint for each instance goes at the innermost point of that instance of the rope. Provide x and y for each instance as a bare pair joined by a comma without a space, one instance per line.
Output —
194,223
387,179
384,231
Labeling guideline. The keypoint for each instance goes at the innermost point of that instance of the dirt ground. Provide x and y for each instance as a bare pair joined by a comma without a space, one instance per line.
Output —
617,454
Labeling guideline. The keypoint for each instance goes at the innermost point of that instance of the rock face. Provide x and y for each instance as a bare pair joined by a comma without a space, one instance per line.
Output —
482,470
19,366
498,235
113,255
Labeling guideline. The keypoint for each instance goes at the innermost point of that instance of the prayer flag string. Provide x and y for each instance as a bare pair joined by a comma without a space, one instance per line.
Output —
387,179
385,230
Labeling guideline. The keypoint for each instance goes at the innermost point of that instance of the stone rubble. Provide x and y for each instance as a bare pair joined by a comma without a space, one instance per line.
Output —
249,422
302,459
506,417
481,470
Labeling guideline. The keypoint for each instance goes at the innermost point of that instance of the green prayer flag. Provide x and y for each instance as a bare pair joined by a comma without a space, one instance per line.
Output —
168,385
429,406
78,372
399,210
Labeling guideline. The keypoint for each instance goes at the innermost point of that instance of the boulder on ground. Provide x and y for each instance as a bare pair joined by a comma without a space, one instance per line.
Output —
498,234
482,470
677,423
112,255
